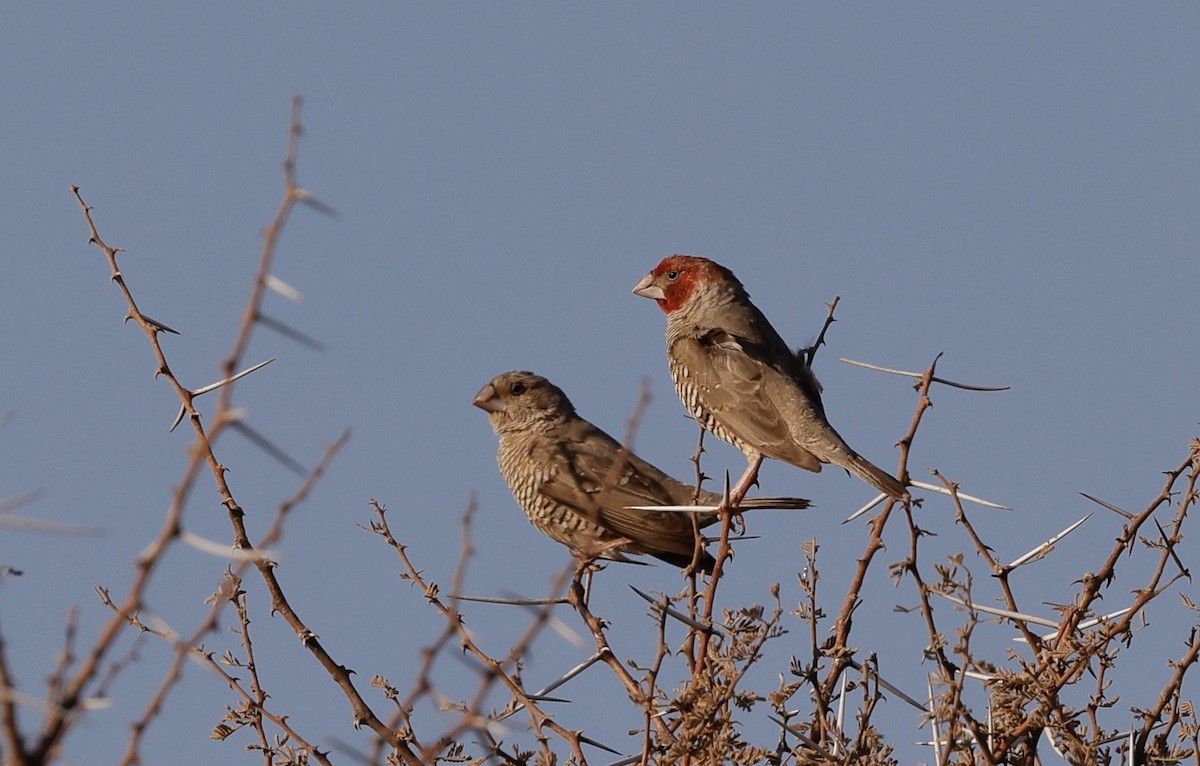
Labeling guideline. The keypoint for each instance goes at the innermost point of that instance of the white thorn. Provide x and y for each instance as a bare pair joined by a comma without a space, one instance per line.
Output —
961,496
1047,546
222,550
284,289
878,499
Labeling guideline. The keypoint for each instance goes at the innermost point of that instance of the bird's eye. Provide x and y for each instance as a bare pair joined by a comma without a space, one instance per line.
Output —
672,275
517,389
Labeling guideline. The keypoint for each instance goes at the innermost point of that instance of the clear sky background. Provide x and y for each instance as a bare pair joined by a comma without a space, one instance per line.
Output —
1017,187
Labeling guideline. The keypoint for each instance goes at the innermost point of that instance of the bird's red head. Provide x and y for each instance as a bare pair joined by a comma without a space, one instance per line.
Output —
676,278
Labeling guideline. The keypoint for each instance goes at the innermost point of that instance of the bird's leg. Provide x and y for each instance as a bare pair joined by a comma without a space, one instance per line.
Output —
587,587
587,559
577,593
746,482
581,581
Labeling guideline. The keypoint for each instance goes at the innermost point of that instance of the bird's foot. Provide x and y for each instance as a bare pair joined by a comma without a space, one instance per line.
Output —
735,496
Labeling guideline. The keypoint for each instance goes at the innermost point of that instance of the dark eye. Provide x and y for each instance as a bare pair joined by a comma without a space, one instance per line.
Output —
672,275
517,389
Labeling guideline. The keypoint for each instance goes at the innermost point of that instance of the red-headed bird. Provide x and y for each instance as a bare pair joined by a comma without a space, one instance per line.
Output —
738,378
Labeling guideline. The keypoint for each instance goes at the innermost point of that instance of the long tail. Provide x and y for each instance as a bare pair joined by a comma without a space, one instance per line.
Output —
876,477
775,504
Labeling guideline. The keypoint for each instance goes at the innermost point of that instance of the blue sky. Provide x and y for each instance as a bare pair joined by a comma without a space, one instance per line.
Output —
1014,187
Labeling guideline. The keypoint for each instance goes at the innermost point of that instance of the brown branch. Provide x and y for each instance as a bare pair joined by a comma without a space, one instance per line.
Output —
56,722
258,700
212,621
596,627
495,669
839,647
1174,685
280,721
807,355
8,711
651,686
951,675
363,715
291,194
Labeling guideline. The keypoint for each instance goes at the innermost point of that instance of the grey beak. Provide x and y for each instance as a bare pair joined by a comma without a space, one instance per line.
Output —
487,400
647,289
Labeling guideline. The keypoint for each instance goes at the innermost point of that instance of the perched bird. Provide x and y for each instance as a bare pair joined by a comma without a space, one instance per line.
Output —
737,376
576,483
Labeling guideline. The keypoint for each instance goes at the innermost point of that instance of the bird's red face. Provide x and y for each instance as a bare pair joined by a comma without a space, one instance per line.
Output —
675,279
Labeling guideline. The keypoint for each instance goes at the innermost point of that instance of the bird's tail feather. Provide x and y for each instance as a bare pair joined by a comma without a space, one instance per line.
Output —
876,477
775,504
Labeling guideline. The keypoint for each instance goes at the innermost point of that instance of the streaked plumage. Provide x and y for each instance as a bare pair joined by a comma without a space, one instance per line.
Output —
575,483
737,376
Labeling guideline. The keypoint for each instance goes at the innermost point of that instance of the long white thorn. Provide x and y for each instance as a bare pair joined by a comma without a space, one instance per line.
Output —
1000,612
841,716
222,550
961,495
933,722
553,685
1047,546
214,386
1084,625
889,686
284,289
878,499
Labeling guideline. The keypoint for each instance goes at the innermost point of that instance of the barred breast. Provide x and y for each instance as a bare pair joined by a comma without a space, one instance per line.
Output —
525,477
690,395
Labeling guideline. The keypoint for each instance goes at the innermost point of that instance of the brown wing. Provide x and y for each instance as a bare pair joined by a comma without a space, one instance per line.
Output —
752,394
599,481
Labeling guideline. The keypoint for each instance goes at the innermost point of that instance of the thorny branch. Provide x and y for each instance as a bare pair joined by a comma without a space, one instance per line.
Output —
494,669
204,452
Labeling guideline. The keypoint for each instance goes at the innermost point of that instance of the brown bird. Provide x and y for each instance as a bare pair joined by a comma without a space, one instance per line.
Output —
576,483
738,378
